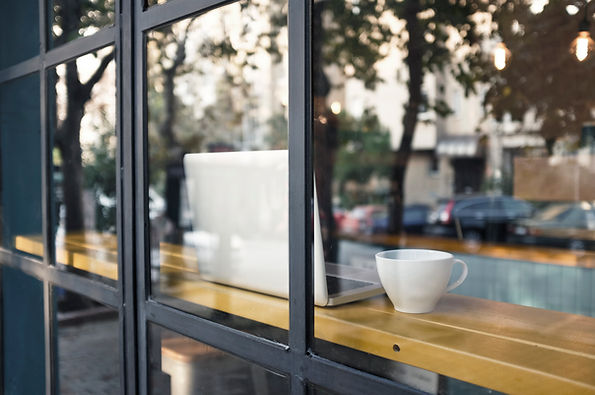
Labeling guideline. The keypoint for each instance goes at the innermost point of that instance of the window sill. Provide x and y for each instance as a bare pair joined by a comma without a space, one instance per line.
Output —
509,348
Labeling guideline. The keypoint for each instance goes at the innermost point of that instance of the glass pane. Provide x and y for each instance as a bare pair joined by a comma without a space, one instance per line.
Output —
88,356
180,366
19,31
23,339
218,168
71,19
83,119
449,126
20,166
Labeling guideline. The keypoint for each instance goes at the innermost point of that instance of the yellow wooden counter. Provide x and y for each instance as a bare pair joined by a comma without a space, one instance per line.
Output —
92,252
509,348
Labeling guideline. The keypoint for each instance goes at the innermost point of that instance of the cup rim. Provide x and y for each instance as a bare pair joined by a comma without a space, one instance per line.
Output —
436,255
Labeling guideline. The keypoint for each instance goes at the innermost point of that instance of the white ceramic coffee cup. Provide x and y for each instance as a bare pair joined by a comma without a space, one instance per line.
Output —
415,279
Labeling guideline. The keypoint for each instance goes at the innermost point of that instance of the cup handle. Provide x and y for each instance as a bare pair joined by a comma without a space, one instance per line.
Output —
461,278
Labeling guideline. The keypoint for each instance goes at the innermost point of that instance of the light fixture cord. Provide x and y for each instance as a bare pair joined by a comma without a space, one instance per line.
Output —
585,25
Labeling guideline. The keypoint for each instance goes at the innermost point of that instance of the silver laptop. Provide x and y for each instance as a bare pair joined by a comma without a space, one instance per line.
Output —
240,214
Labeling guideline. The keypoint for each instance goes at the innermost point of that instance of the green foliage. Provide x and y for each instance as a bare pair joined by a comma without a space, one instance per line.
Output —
278,129
364,152
361,33
354,37
99,174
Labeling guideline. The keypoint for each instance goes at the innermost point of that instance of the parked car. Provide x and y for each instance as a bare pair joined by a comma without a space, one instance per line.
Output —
370,219
566,225
363,219
415,217
339,215
478,217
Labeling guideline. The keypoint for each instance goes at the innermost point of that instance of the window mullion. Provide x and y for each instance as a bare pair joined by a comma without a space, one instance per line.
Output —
300,191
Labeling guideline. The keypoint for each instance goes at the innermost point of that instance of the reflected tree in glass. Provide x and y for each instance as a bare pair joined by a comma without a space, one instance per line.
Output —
67,137
431,36
71,19
168,47
180,120
215,83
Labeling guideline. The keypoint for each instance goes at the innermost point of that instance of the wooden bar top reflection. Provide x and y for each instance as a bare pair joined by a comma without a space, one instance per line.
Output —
509,348
529,253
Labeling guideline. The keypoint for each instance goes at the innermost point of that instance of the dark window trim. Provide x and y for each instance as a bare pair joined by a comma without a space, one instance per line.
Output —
93,288
129,345
21,69
74,49
140,197
262,351
172,11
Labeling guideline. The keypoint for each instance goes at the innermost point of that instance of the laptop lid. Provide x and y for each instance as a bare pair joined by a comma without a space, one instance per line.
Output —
240,214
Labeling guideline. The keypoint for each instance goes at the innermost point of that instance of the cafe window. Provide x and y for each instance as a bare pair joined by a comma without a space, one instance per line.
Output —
278,196
82,101
218,163
504,171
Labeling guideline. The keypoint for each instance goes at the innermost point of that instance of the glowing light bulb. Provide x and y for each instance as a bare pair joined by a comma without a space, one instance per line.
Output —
572,9
582,45
501,55
336,107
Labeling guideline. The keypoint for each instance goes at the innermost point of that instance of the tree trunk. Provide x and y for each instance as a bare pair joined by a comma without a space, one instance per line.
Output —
68,141
325,147
174,168
549,145
325,140
401,157
72,187
167,127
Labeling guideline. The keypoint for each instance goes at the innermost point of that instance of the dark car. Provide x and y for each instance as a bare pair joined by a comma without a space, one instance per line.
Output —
478,217
566,225
415,218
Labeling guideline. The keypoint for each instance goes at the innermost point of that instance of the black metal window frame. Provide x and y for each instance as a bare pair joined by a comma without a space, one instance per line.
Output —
131,297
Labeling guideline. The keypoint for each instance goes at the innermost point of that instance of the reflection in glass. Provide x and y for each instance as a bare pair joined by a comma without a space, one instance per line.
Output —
217,84
420,142
87,345
71,19
181,366
23,339
19,31
83,113
20,166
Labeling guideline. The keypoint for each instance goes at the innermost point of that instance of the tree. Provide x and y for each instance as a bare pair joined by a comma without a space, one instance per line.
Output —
70,18
363,153
199,93
434,36
542,77
100,177
169,49
169,119
352,39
